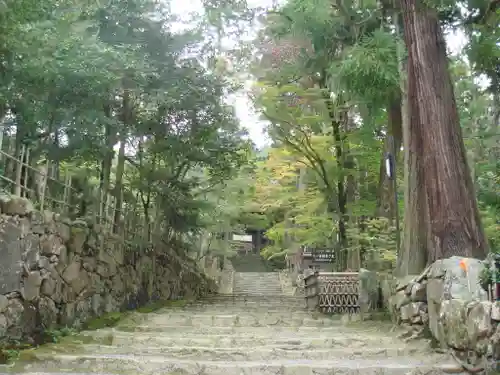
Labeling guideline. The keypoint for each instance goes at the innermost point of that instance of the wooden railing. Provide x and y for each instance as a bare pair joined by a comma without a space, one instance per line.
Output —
332,292
47,190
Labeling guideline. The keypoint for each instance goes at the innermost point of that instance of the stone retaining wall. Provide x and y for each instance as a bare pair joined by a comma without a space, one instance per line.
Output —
56,272
448,299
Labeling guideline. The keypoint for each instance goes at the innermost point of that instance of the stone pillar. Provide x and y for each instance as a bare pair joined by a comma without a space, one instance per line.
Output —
312,288
369,292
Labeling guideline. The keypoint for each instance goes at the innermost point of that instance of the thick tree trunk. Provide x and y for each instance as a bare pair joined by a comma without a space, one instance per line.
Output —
413,256
454,227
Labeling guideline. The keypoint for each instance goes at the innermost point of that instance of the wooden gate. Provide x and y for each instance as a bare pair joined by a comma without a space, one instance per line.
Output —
338,292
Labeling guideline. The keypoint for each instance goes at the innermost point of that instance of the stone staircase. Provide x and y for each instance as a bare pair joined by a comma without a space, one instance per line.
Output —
257,283
257,331
251,262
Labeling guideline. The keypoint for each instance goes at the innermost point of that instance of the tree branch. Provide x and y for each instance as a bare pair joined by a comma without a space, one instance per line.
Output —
307,151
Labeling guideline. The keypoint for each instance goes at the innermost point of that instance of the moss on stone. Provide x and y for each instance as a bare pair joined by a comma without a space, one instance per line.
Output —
83,339
69,341
105,321
76,230
157,305
378,315
115,318
67,345
9,351
28,355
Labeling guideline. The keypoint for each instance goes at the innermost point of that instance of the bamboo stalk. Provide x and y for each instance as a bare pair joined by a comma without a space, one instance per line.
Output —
44,184
19,171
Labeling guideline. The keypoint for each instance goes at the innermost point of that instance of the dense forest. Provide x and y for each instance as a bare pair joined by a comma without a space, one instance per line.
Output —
120,115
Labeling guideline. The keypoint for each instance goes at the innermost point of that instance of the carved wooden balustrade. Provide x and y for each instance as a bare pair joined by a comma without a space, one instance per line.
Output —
332,292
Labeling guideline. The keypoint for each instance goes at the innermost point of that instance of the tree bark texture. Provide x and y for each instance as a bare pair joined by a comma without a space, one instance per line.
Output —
452,224
413,256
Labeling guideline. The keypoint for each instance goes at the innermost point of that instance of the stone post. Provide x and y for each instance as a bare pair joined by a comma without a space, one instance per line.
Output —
312,287
368,289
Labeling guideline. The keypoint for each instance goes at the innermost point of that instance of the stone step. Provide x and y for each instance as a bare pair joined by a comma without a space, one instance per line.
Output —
257,275
257,283
242,311
248,311
269,284
257,353
255,293
332,331
246,298
127,364
270,303
263,306
257,310
243,296
229,339
266,277
266,281
276,305
263,300
256,307
235,320
270,281
265,285
235,331
256,290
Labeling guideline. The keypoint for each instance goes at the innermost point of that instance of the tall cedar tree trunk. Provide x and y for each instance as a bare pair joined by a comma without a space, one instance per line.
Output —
454,226
413,256
385,203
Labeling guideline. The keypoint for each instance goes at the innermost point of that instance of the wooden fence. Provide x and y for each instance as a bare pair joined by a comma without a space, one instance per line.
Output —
332,292
50,188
